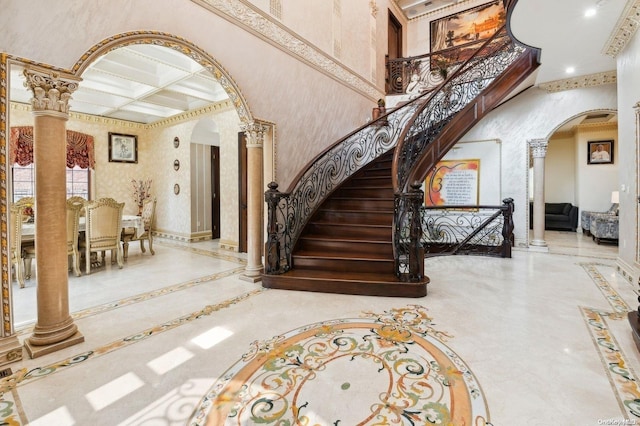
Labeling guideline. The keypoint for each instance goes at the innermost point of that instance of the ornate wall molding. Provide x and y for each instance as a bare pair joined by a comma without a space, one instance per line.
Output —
538,147
608,77
244,15
625,28
175,43
225,105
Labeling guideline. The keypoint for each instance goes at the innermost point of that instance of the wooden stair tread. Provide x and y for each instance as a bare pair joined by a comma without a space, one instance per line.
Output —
341,238
350,255
351,276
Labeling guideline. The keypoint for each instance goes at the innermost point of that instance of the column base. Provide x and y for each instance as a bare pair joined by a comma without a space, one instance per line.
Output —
538,244
251,278
10,350
36,351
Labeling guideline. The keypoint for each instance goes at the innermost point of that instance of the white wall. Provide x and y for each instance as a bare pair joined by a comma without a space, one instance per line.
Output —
628,65
560,172
534,114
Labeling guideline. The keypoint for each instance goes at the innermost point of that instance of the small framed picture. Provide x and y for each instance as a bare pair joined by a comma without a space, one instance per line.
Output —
600,152
123,148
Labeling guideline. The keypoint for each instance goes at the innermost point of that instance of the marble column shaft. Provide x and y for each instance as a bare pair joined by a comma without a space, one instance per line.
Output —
255,197
539,152
54,327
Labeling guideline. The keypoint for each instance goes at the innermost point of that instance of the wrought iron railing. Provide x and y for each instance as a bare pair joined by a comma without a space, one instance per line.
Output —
459,90
415,74
289,211
478,230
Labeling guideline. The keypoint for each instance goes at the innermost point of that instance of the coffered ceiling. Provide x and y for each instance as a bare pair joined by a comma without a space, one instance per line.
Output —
140,83
147,83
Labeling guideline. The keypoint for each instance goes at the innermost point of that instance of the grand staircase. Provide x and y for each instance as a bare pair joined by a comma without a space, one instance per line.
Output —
348,241
351,223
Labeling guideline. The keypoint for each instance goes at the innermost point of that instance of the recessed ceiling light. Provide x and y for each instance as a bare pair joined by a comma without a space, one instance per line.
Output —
570,70
590,12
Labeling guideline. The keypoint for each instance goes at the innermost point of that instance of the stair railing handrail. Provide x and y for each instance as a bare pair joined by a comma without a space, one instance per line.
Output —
400,70
481,240
289,211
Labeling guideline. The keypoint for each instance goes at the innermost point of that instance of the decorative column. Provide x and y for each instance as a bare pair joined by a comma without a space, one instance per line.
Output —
54,329
539,152
255,193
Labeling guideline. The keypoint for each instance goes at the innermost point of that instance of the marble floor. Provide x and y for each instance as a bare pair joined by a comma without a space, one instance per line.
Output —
544,334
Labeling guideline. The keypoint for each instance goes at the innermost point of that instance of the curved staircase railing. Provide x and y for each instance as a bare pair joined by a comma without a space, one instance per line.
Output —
289,211
412,130
475,88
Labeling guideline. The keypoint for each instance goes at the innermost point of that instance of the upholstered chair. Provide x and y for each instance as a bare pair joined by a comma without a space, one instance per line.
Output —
604,227
22,252
103,227
148,218
74,207
585,217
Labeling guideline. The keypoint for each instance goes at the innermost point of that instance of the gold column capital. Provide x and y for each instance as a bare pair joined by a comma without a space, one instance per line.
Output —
255,134
51,91
538,147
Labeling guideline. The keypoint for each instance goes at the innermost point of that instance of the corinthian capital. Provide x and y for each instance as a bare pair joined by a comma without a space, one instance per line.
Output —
51,92
538,147
255,133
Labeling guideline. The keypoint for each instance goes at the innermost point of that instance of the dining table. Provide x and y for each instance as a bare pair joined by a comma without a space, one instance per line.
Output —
128,221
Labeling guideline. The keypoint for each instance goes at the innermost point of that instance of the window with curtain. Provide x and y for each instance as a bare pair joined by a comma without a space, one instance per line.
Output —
80,159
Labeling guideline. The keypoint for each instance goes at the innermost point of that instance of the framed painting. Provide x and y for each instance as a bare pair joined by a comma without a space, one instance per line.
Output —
467,27
123,148
600,152
453,182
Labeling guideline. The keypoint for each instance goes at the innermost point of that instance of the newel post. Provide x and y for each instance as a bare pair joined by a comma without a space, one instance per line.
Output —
507,226
408,233
272,246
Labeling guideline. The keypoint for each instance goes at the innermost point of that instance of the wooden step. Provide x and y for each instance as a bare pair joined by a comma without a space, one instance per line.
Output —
332,245
370,217
363,283
368,232
311,260
365,192
338,203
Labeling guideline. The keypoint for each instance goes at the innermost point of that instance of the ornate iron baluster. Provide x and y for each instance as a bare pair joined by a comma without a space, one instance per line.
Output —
409,253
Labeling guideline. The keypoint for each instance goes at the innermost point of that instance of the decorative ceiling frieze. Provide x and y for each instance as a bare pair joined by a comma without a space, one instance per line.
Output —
625,28
245,15
608,77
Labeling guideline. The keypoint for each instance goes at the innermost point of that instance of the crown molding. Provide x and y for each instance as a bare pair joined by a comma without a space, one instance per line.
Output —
226,105
625,28
248,17
599,79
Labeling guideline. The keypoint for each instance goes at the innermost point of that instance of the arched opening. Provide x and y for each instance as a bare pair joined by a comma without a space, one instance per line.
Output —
156,87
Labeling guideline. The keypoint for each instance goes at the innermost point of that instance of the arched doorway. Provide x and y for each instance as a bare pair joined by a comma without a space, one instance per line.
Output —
162,133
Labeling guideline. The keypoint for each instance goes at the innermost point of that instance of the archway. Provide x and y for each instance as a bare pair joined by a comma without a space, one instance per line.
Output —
237,102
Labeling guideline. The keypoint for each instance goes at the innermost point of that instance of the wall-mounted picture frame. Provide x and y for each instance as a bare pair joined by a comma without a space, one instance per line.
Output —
600,152
123,148
468,26
176,165
176,189
176,142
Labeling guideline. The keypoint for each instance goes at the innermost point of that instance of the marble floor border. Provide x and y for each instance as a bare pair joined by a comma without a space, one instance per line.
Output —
622,378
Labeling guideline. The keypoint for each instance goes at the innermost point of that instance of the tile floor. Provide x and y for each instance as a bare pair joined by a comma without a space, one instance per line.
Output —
545,334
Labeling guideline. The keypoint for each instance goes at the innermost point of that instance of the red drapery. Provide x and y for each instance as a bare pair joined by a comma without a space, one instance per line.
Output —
79,148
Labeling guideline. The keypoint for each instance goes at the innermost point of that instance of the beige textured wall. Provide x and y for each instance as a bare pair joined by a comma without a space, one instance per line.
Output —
311,107
156,154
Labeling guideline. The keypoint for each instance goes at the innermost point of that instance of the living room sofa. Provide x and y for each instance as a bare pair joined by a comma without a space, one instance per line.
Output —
558,216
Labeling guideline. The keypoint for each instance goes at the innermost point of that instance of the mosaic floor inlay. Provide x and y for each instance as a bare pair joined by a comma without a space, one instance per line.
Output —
390,368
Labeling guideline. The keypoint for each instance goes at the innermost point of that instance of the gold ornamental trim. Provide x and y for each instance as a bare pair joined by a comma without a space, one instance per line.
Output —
624,30
590,80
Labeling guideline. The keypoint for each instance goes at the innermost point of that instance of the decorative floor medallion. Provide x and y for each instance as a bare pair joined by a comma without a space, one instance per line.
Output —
386,369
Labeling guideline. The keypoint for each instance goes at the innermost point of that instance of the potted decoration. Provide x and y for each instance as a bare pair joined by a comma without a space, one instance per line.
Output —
379,110
141,192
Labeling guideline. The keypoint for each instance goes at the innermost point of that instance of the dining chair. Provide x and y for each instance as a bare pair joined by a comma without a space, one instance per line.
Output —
22,253
103,227
74,209
78,200
148,219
